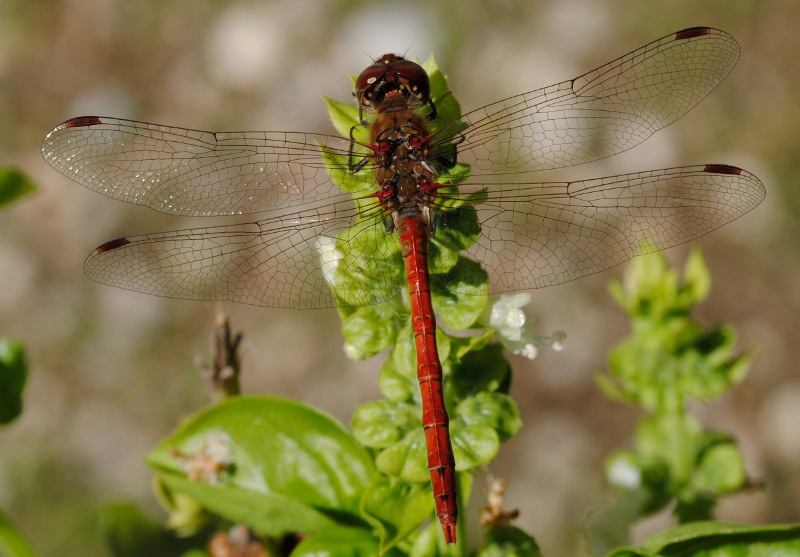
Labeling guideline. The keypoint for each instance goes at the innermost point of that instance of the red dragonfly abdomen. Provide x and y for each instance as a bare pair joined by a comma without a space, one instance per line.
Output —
413,232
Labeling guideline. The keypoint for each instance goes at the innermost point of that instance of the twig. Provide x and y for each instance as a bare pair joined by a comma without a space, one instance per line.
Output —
222,376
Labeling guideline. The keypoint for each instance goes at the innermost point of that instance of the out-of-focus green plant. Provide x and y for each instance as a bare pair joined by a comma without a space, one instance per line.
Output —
13,372
668,359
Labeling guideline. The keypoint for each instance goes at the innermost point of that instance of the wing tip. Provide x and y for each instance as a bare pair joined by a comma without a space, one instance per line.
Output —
722,169
112,245
82,122
692,32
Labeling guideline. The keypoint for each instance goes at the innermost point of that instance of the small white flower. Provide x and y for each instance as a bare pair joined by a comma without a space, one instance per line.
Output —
514,328
529,351
624,473
506,315
558,341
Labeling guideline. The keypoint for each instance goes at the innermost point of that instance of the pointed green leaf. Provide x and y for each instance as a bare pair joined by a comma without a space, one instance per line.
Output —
344,116
697,276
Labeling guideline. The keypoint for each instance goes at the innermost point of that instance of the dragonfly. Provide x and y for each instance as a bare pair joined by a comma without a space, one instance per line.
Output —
533,234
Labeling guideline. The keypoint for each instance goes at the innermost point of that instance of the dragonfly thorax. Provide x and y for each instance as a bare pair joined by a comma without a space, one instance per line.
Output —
403,173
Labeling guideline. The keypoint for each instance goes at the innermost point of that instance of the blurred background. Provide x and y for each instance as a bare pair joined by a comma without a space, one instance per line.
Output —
112,371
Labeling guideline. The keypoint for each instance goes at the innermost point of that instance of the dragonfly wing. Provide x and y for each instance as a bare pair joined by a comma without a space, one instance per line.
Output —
543,234
191,172
290,261
601,113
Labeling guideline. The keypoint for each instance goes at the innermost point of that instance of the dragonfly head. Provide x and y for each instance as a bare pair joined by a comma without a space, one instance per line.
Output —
392,74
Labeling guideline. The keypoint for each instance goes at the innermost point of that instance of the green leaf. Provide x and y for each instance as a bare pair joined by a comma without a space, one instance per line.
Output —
673,440
495,410
696,276
13,185
341,542
382,423
718,539
447,107
396,381
128,532
369,330
371,269
457,229
406,459
720,468
270,513
396,508
508,541
13,375
398,376
461,295
483,369
271,463
187,516
473,445
338,167
427,543
456,175
12,544
344,116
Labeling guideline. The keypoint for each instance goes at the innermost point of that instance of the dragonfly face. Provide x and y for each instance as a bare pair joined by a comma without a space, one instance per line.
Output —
392,74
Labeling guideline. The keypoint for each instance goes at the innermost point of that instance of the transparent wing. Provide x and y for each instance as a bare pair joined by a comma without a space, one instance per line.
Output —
289,261
543,234
191,172
603,112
